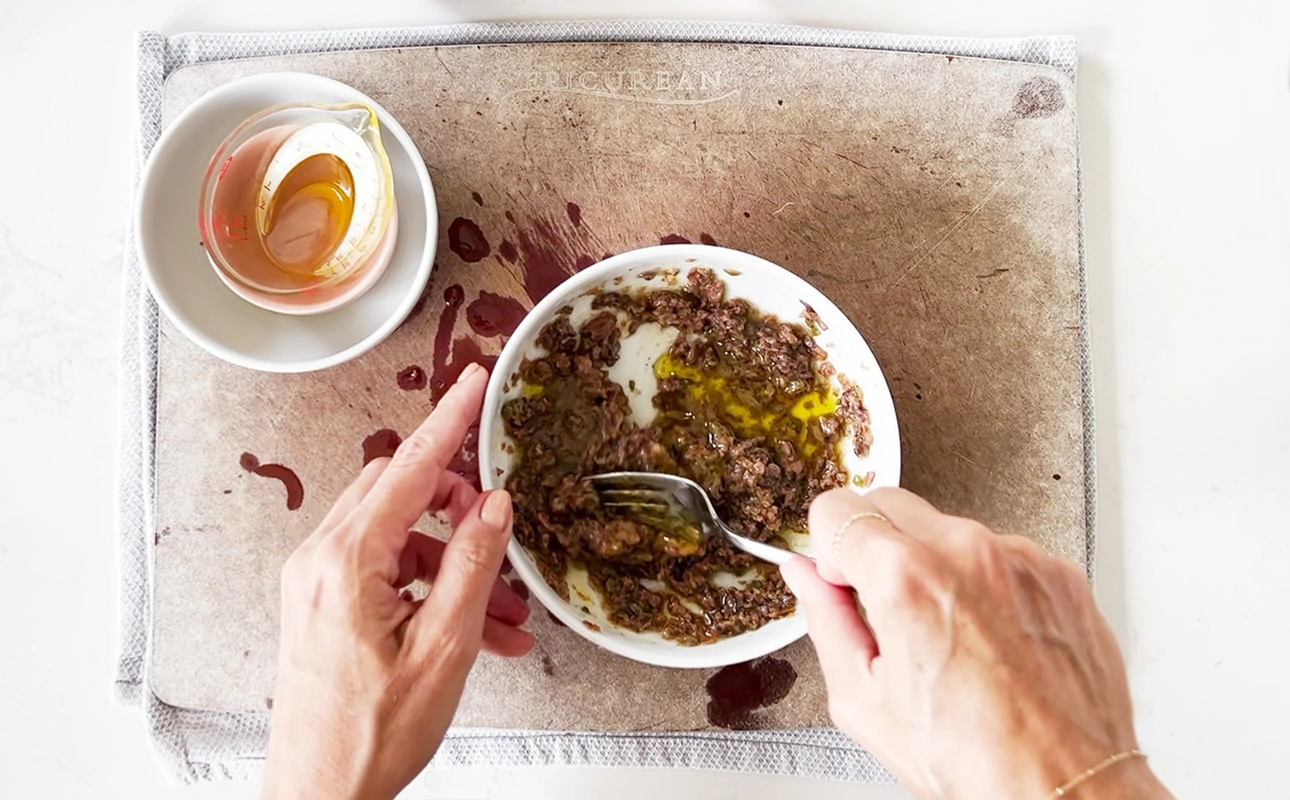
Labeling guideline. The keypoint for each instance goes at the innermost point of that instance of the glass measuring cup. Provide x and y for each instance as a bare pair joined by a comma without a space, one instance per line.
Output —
297,211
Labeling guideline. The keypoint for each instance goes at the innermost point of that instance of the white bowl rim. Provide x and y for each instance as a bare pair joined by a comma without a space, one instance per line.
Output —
790,628
389,126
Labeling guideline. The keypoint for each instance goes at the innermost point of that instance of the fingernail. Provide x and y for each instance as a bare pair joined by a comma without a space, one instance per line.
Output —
497,509
470,369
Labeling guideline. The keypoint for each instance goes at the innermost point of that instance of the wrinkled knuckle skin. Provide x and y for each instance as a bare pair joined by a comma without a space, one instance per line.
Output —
450,646
990,552
475,560
416,448
1022,546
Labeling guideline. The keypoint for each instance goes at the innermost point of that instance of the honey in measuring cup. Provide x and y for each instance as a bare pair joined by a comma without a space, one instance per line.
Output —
297,207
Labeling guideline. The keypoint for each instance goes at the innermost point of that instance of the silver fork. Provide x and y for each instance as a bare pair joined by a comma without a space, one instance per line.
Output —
661,500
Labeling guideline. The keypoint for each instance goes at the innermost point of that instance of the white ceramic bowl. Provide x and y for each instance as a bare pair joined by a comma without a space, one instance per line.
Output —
767,287
185,284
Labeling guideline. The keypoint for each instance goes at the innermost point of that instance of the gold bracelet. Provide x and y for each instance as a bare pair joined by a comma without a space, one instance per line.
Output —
1109,761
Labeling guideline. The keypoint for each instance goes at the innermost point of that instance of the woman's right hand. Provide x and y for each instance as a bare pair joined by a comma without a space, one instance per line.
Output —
984,668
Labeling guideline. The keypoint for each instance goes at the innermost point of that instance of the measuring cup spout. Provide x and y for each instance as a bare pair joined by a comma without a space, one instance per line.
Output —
358,118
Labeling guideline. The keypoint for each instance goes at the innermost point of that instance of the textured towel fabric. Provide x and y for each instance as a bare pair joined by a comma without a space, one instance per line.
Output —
196,745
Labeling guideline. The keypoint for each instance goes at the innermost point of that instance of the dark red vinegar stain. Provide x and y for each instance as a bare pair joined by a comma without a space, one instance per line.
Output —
521,590
706,238
295,491
575,213
508,251
546,259
412,378
583,262
468,352
467,240
740,689
548,667
465,462
556,620
440,380
475,196
381,444
506,566
465,351
673,238
494,314
451,356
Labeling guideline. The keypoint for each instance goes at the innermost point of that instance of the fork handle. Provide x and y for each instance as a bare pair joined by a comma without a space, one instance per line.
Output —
766,552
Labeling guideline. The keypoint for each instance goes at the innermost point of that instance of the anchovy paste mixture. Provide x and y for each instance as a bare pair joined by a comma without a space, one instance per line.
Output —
744,408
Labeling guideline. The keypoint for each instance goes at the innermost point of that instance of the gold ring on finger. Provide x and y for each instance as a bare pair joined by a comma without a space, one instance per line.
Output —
846,525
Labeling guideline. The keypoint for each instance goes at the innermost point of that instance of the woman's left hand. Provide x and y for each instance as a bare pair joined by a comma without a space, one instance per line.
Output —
368,680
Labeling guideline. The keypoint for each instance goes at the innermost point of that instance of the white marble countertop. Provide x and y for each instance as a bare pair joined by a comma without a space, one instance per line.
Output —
1185,121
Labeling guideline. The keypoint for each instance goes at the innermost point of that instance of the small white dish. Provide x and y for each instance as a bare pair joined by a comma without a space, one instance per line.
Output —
770,288
185,284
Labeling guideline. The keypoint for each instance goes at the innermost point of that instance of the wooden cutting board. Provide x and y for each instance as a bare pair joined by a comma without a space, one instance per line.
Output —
933,198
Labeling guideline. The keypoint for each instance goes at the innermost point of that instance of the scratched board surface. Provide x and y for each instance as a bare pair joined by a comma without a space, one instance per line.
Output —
934,199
